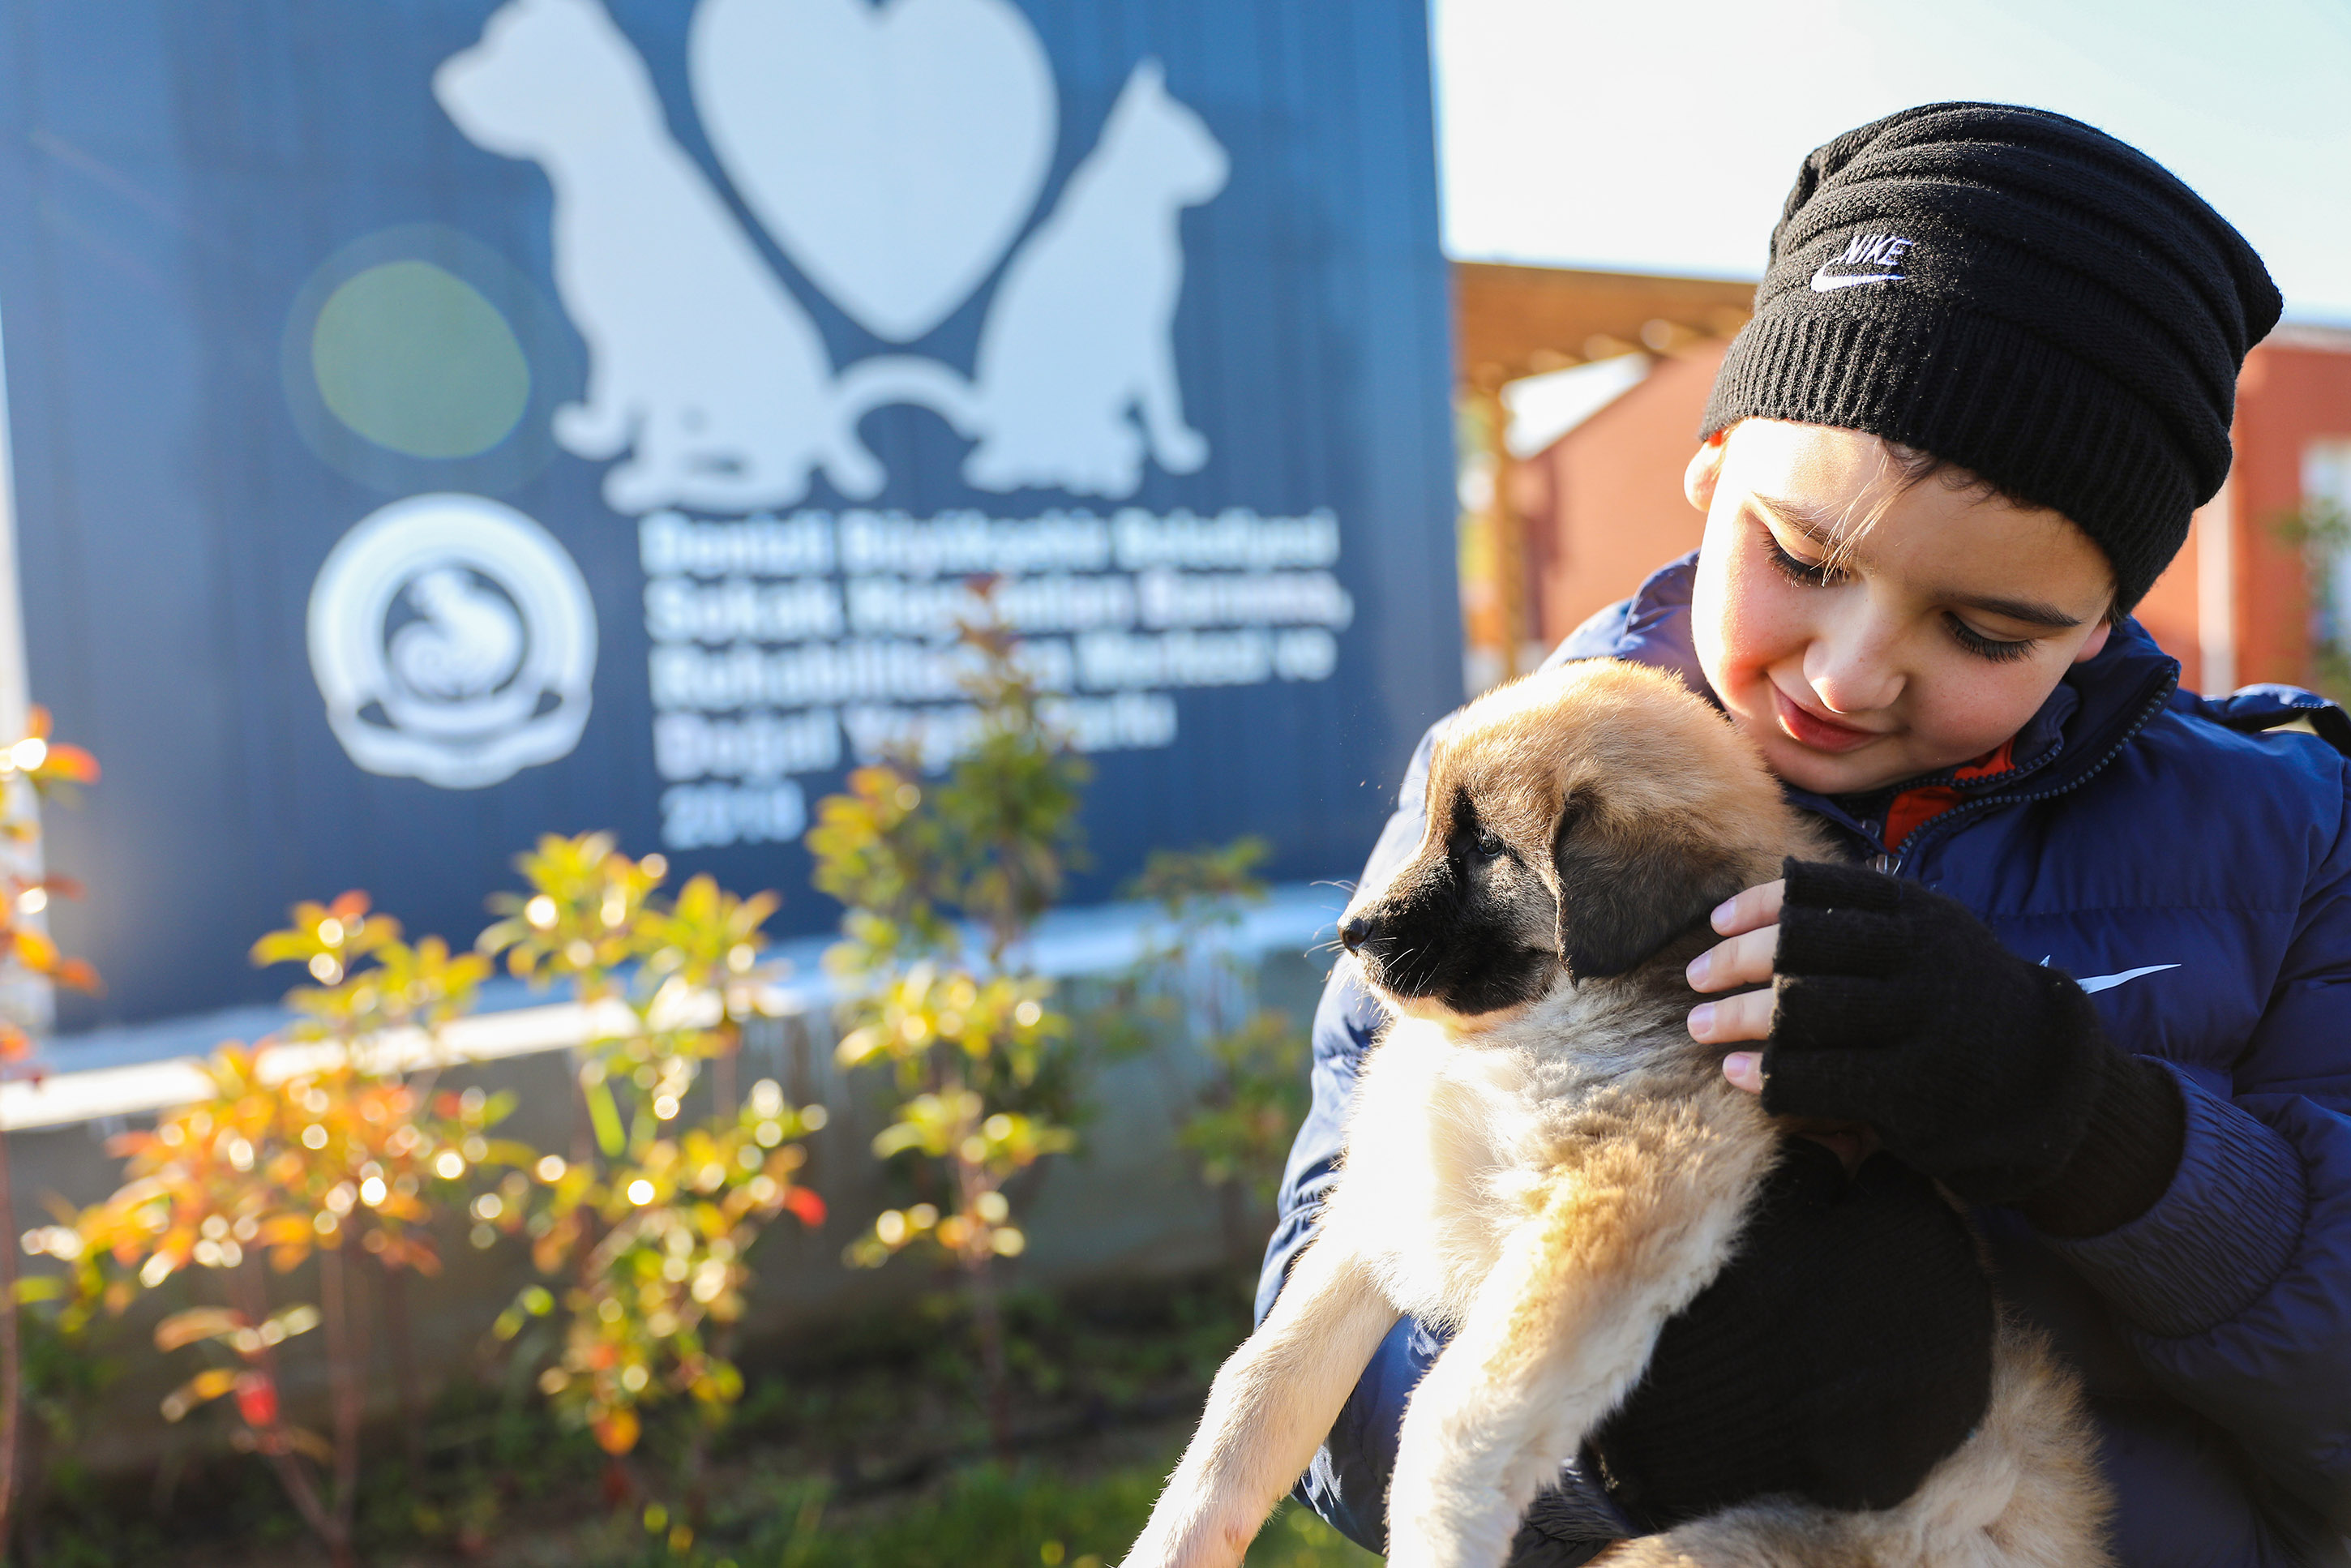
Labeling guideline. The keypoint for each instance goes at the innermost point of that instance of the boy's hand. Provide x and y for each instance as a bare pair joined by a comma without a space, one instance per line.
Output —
1752,921
1897,1007
1843,1350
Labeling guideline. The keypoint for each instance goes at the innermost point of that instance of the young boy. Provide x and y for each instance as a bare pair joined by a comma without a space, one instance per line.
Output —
2090,968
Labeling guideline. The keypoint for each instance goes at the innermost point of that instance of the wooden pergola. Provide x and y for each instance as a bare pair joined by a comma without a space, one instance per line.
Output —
1510,322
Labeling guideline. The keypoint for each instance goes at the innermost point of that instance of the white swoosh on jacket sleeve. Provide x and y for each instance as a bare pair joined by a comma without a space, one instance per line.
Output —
2094,984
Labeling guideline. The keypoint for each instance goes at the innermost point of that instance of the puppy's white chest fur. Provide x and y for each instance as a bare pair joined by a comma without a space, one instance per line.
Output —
1441,1157
1452,1144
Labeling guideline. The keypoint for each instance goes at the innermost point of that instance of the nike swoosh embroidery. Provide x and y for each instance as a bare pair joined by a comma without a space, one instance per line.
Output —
1823,282
2094,984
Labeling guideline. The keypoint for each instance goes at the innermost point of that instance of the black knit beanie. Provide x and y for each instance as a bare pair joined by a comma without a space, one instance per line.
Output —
2019,294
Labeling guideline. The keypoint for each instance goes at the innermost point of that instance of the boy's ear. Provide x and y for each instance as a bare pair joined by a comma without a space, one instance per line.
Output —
1705,468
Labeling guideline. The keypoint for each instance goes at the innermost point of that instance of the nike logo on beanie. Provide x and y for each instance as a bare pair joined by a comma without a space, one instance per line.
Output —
1883,252
1823,282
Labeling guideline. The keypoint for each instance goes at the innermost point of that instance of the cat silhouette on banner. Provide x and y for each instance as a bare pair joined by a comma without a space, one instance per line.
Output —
708,373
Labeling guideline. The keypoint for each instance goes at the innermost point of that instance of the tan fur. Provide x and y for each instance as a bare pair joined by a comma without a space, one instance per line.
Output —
1556,1178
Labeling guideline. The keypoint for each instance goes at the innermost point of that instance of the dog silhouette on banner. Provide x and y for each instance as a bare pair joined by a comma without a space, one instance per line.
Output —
701,365
706,372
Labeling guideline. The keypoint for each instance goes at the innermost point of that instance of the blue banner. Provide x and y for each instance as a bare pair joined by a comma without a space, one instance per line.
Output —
437,423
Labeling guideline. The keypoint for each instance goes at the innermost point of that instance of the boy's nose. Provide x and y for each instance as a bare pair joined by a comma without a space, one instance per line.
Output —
1852,672
1855,692
1839,695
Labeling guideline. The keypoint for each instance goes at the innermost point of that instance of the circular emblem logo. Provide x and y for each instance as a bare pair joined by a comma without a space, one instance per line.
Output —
454,640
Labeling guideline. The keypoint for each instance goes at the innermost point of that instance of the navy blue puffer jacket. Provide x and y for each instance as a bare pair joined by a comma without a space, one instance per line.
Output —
2191,864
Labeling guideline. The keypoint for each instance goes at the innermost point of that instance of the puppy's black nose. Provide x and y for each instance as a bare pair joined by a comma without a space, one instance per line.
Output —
1354,931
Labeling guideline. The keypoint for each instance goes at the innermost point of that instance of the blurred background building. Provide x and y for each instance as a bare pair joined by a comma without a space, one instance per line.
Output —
1579,394
1589,223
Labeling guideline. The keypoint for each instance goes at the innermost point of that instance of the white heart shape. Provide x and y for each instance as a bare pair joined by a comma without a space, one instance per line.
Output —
891,149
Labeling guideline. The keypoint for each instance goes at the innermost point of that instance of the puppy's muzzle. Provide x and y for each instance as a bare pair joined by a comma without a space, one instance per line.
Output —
1373,935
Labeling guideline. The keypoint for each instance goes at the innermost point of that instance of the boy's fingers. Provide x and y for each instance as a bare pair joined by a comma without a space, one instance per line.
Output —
1758,905
1745,960
1745,1071
1744,1017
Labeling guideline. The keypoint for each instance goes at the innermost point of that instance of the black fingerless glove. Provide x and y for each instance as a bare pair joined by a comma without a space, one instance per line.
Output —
1843,1352
1897,1007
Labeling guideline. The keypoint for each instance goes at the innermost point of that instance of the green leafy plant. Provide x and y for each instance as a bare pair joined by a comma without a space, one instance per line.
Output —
651,1220
1191,989
977,1053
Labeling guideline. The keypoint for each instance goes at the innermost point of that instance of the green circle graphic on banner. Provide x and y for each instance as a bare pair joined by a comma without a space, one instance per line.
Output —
414,359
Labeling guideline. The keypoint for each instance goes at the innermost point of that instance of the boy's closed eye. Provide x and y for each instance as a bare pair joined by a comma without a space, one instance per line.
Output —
1804,567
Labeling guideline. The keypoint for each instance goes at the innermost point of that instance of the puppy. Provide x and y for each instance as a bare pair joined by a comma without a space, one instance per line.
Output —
1551,1164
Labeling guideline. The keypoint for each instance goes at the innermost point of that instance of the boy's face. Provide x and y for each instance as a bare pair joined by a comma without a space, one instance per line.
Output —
1858,653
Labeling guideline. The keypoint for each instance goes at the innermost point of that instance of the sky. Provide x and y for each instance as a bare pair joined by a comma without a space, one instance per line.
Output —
1662,137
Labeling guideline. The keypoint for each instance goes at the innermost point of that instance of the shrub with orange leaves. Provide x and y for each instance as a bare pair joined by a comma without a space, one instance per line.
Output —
315,1160
334,1147
323,1146
315,1157
373,986
32,768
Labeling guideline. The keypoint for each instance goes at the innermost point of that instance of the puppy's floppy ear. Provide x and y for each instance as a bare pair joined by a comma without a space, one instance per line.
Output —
1625,892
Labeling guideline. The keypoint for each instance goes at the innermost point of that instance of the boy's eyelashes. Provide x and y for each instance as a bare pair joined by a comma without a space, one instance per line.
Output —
1823,574
1796,570
1998,650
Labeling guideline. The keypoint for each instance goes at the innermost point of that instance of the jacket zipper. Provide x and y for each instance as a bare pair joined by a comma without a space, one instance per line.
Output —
1904,853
